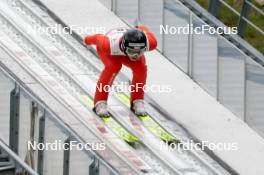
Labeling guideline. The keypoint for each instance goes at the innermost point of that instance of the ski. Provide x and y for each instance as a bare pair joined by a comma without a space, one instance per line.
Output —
151,124
157,130
114,125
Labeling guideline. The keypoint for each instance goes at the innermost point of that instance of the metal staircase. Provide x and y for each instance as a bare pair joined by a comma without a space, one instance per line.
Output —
6,165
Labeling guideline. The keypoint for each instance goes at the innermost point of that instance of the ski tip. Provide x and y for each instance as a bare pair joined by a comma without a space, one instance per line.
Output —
132,139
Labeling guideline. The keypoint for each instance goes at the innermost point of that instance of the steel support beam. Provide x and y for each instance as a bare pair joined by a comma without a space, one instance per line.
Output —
94,167
41,139
113,6
66,158
31,152
14,119
190,48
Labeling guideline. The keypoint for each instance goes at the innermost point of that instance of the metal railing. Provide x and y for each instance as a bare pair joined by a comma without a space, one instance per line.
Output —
223,70
215,9
25,118
243,22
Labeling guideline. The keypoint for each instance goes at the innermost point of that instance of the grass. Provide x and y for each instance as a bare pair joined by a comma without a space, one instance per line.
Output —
229,18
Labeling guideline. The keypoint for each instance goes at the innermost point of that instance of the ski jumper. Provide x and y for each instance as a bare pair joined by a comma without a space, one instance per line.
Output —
108,49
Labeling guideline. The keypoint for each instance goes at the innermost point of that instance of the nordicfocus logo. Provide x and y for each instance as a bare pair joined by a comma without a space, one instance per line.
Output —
60,145
198,30
191,145
126,87
59,29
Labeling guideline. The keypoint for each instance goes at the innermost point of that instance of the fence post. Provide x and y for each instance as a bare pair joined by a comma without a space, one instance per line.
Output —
41,139
14,118
242,23
113,6
190,47
30,156
66,158
139,11
245,90
214,7
163,24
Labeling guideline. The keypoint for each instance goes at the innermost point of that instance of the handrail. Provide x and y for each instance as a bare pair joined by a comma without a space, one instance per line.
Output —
215,9
255,7
230,7
243,17
212,20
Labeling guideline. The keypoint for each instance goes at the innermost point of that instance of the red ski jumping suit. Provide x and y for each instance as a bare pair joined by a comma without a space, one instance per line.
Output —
113,58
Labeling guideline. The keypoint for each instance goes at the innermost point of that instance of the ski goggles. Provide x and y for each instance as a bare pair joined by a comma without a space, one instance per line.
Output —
134,54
